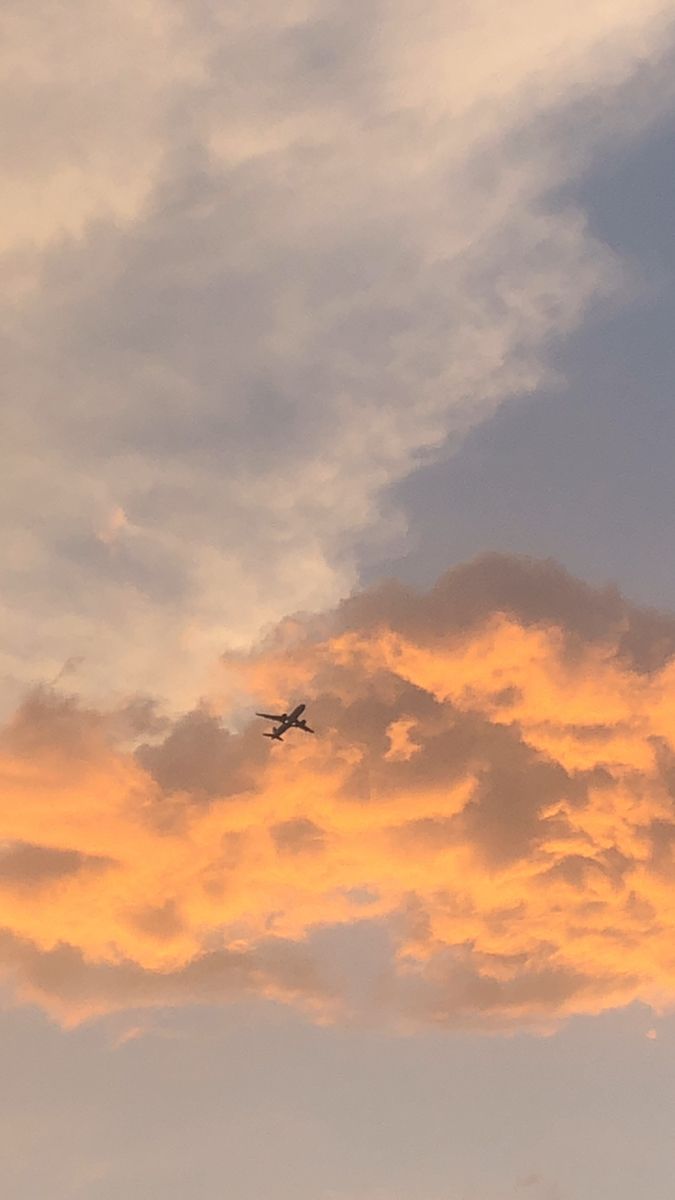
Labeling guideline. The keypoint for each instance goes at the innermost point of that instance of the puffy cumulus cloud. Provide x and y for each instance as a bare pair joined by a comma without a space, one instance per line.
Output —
259,258
481,835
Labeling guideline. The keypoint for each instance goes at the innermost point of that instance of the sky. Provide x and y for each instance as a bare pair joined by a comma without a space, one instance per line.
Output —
338,368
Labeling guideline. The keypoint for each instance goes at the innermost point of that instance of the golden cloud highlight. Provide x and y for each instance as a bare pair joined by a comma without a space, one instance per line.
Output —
489,799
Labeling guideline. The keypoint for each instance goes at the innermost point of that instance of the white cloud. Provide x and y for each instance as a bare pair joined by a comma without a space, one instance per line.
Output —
278,253
85,96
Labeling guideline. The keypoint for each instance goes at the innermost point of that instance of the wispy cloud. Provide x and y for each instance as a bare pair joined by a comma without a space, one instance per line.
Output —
515,868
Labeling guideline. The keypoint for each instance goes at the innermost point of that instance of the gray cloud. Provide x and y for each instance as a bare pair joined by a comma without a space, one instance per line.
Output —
532,591
65,982
200,756
298,836
456,990
23,865
50,719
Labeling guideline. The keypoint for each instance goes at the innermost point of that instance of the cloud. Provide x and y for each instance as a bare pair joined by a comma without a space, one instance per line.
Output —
26,866
297,836
261,261
198,755
72,989
511,864
85,101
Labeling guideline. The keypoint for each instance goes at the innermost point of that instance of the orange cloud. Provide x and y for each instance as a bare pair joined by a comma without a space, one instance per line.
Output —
490,796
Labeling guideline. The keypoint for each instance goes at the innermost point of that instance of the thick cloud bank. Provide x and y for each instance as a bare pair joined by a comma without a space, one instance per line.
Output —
257,259
482,833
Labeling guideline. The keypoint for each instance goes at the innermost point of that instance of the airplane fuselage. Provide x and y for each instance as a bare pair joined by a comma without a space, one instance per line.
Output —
286,721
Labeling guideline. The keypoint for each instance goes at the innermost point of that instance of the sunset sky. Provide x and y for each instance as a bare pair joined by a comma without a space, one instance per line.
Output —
338,358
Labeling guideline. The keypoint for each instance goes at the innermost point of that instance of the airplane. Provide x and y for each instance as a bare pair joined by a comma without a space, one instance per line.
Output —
286,721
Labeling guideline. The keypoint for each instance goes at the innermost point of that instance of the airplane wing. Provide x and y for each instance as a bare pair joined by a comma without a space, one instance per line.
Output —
272,716
306,728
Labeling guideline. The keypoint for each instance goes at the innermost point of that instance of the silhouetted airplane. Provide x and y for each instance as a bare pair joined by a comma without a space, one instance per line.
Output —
286,721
